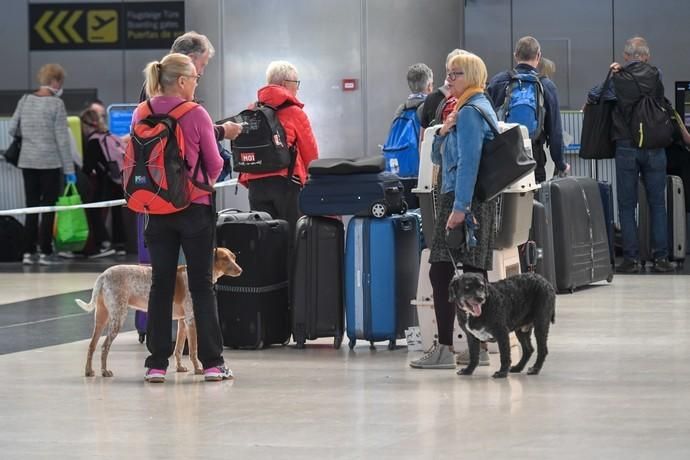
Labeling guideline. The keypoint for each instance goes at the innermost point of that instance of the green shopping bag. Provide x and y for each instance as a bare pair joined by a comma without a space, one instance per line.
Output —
71,228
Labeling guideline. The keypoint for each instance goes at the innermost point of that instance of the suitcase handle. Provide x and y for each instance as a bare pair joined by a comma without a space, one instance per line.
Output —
254,215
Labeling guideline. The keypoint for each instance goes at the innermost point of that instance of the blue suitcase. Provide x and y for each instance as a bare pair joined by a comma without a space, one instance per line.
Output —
368,194
381,270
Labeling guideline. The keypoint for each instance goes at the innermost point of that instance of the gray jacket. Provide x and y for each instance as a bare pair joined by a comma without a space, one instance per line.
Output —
42,123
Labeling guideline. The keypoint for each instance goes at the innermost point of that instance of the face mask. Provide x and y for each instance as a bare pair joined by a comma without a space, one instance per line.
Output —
56,93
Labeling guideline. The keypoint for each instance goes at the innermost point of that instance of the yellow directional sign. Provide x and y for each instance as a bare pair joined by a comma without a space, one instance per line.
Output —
105,25
102,26
52,27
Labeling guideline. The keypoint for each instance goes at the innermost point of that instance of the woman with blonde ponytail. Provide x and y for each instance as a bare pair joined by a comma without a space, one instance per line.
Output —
170,85
462,136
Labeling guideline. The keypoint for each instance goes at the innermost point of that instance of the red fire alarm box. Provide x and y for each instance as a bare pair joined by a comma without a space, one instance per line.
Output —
349,84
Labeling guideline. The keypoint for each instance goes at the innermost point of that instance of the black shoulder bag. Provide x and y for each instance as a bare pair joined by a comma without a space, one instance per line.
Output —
504,161
595,140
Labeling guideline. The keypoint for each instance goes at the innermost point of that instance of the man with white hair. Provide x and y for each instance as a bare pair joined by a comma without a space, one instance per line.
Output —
200,50
277,192
625,87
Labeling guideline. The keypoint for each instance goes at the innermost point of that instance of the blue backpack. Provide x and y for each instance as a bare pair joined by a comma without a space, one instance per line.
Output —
524,103
401,149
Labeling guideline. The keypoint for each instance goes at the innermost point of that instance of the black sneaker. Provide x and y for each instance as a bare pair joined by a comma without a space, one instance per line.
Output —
628,266
662,265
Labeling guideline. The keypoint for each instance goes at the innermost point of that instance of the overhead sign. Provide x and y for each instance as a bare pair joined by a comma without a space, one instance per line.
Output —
88,26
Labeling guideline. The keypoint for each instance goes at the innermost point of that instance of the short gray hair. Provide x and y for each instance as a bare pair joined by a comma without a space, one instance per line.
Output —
279,71
193,43
526,49
419,76
637,48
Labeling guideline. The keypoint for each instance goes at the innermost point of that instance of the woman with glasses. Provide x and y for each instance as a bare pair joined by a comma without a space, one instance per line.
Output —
462,137
171,82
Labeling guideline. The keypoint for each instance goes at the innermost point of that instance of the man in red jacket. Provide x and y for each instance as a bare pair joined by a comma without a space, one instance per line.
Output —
274,192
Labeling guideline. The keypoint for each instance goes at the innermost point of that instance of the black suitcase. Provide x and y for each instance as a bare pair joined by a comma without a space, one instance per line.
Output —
580,241
317,289
254,307
537,255
606,191
11,239
676,221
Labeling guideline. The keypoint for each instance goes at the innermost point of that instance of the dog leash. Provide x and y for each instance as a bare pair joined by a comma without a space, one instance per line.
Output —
452,259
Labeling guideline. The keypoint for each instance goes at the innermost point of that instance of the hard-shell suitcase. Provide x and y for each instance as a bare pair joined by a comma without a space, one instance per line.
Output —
370,194
606,191
581,246
537,255
254,307
317,286
381,271
676,221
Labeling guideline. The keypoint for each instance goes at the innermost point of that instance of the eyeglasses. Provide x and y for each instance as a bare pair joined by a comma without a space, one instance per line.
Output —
196,77
453,75
294,81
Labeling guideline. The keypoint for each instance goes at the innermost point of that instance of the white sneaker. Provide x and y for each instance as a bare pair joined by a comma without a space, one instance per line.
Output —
29,259
49,259
437,357
464,357
102,253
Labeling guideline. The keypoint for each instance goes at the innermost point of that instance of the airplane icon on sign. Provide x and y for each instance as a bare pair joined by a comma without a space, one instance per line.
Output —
101,22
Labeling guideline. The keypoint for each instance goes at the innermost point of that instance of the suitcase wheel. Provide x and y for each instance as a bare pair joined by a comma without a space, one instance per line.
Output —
352,344
300,345
142,337
337,341
609,278
371,345
379,210
392,345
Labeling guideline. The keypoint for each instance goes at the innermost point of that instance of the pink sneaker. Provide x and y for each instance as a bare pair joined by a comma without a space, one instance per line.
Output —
155,375
216,374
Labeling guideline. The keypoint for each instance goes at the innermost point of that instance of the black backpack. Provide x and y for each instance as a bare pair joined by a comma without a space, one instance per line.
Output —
650,120
262,145
11,239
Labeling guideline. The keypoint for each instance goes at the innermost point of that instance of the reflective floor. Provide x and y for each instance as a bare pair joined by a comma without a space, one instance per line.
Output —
616,385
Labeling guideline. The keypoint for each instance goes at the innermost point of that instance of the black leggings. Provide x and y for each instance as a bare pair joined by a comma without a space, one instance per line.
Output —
440,274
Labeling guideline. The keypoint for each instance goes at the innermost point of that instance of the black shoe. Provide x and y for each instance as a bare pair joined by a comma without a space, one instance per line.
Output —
662,265
628,266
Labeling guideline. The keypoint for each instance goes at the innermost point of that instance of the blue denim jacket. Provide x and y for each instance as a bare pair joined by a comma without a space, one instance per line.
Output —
463,150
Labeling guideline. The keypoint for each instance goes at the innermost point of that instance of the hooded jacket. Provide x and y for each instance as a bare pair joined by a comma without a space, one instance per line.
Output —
297,130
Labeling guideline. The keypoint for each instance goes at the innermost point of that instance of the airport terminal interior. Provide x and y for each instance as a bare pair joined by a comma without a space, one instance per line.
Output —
615,383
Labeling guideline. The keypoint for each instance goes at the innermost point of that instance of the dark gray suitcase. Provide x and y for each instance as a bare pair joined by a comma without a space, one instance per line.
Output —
540,259
580,240
676,221
317,285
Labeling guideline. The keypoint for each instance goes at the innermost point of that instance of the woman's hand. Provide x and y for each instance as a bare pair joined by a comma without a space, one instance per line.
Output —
456,218
449,123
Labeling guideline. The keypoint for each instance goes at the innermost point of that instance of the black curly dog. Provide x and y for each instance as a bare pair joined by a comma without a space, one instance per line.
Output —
491,311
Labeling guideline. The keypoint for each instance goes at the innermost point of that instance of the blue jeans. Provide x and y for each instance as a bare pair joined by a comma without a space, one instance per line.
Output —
630,163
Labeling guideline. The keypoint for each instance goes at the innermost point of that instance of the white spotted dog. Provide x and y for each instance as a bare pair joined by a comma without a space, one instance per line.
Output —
123,286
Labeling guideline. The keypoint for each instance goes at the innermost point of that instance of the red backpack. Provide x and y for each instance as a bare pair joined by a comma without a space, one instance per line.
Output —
156,176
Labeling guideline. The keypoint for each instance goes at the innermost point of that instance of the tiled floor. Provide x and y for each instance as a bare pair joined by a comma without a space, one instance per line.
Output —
615,386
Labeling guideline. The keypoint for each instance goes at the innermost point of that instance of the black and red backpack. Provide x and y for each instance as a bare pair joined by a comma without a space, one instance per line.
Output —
156,175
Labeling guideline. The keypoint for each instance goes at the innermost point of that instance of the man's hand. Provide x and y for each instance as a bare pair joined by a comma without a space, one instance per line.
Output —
564,172
232,130
616,67
456,218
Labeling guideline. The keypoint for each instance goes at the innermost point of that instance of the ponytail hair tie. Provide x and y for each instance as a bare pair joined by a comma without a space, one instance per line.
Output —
158,66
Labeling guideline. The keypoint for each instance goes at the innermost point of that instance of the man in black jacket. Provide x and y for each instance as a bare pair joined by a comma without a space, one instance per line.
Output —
527,56
625,87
